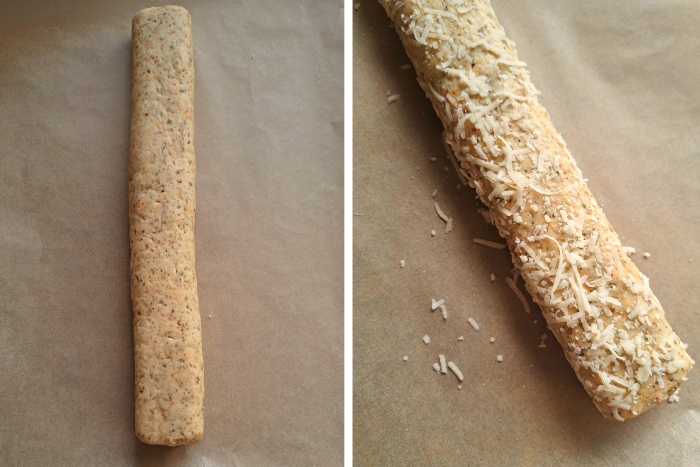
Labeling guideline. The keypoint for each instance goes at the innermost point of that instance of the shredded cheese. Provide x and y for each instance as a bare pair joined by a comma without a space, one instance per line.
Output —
518,293
441,214
455,370
481,241
501,143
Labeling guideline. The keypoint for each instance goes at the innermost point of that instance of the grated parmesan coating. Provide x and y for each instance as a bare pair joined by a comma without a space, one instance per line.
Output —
597,303
169,375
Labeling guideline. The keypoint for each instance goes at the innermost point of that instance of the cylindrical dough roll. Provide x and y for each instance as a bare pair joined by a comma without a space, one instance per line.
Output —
167,326
595,300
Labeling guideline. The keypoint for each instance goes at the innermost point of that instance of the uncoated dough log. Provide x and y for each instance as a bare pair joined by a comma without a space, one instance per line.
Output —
167,326
595,300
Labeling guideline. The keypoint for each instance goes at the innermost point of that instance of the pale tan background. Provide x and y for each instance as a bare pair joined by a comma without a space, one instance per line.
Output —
622,84
269,233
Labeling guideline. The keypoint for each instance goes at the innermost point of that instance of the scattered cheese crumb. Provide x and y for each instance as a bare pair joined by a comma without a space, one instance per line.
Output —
493,277
441,214
435,304
443,368
499,358
436,367
432,233
473,323
357,6
402,263
426,339
518,293
492,340
459,387
209,316
448,226
543,337
444,311
481,241
647,255
433,159
675,397
392,98
405,358
460,338
434,193
455,370
542,345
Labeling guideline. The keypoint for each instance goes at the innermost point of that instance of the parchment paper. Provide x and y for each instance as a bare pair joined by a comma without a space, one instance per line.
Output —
621,84
269,233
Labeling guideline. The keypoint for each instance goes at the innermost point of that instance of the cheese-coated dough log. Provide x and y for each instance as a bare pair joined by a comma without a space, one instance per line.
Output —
595,300
167,326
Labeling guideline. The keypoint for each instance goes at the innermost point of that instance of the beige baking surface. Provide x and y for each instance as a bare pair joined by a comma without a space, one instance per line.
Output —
622,89
269,234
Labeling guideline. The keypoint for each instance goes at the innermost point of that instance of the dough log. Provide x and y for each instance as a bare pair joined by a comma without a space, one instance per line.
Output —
167,327
595,300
